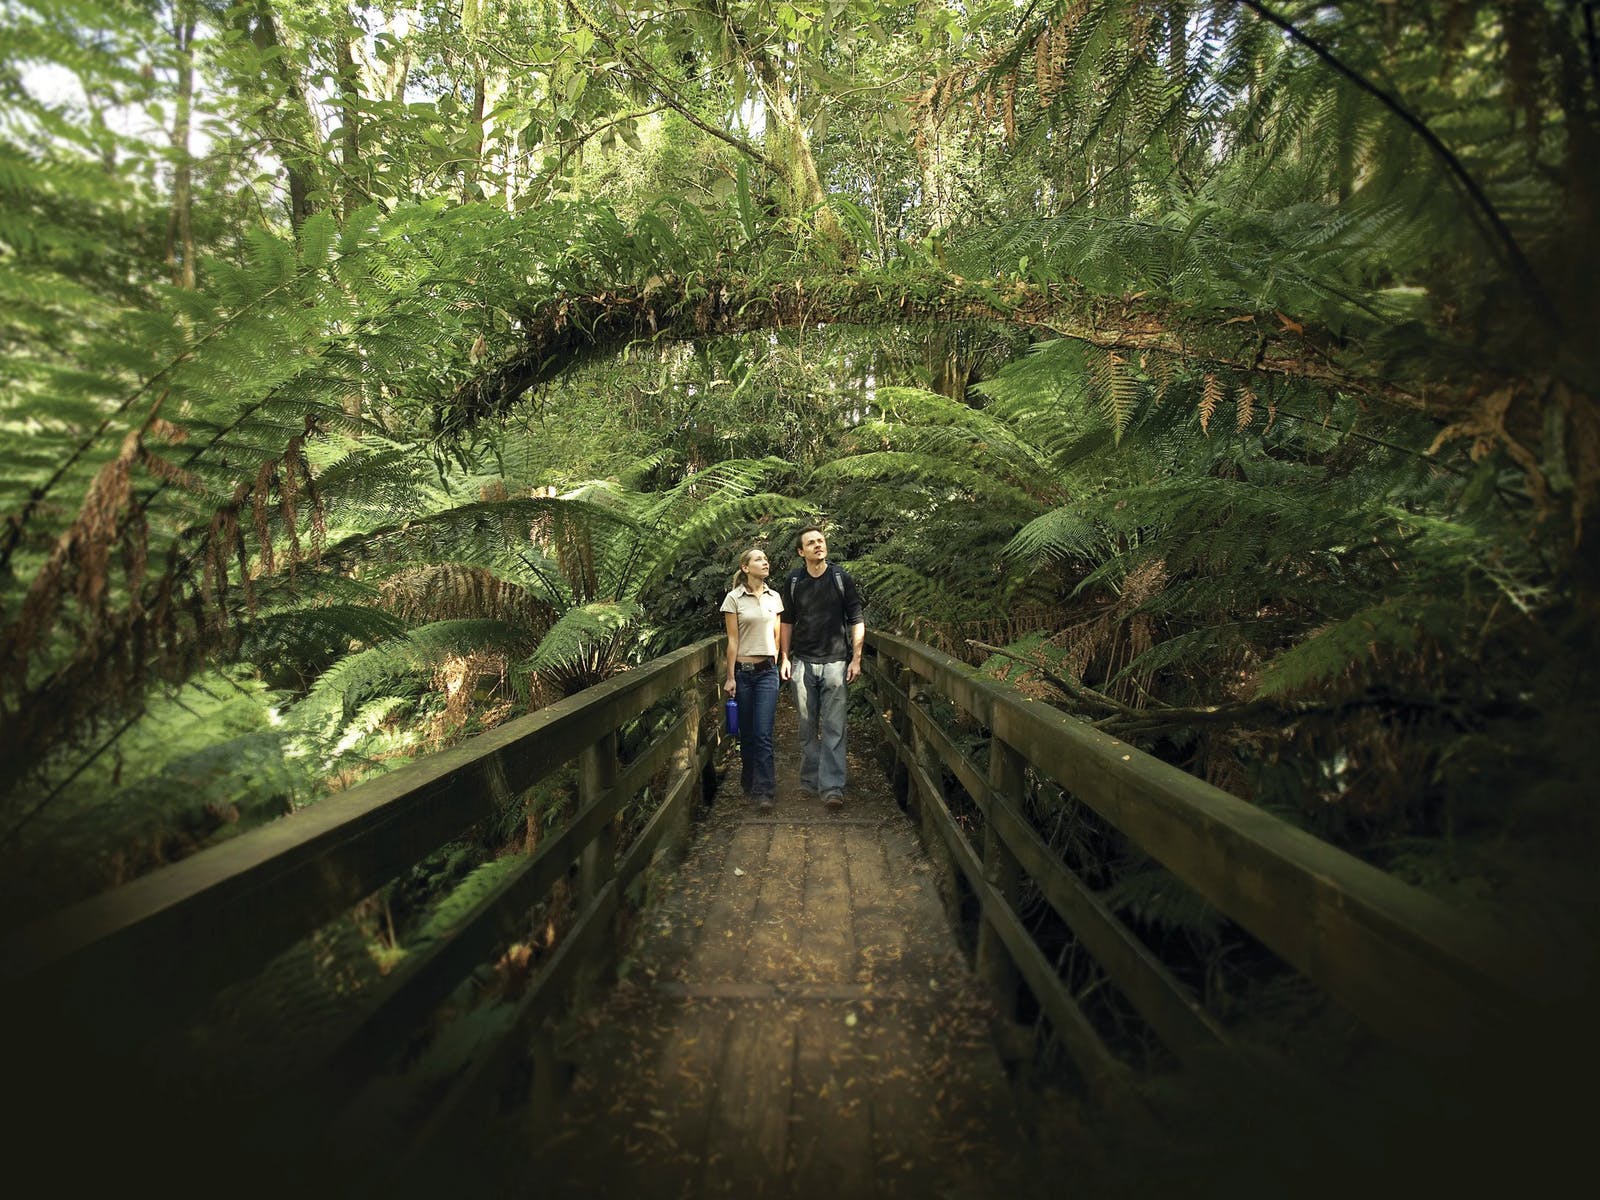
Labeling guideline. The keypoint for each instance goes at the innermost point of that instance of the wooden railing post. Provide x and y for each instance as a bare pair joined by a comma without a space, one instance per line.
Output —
1001,872
597,864
926,808
687,758
904,789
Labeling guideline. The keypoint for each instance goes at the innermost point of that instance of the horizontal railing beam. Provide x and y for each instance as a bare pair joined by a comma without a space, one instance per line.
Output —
1397,958
1178,1019
248,899
1107,1075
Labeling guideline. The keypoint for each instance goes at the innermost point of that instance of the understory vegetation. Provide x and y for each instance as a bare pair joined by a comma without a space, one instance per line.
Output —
1222,372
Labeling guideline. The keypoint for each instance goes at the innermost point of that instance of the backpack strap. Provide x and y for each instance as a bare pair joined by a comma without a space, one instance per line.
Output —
836,571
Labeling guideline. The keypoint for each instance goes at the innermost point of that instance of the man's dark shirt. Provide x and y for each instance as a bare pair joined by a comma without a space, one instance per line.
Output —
821,617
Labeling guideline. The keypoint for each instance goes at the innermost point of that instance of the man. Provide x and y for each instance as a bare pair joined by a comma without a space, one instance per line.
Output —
819,648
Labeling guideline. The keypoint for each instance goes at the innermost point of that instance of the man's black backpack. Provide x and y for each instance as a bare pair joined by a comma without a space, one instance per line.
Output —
796,574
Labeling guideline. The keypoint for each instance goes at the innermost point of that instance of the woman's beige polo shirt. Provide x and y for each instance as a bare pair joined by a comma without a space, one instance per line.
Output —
758,620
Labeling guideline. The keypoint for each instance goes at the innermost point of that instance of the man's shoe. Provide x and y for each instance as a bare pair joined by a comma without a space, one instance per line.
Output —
764,804
833,801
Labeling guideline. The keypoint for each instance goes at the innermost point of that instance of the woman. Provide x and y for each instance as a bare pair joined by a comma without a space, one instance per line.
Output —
750,612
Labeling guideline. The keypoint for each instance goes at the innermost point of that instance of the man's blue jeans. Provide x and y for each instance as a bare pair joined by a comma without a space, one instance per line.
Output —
755,687
823,701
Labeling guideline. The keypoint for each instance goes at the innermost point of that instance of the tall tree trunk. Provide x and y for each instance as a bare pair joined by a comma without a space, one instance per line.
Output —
180,223
287,120
399,72
354,187
796,164
933,169
474,167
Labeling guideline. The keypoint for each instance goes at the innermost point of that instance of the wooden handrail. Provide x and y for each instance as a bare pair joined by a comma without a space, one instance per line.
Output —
251,897
125,965
95,980
1397,958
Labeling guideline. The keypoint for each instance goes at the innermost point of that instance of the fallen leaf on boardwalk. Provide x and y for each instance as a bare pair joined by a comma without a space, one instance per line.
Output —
739,871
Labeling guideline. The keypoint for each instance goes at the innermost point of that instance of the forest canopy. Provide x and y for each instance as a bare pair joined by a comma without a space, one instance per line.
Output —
1224,372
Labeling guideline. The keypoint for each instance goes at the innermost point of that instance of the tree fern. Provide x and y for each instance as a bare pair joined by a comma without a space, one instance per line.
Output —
407,659
1361,642
584,645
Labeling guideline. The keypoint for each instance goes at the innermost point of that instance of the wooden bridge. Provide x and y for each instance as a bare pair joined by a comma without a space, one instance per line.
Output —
672,995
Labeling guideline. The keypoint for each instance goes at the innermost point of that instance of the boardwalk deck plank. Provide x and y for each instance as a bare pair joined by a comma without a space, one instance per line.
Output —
821,1036
721,950
827,930
748,1144
880,940
775,924
831,1120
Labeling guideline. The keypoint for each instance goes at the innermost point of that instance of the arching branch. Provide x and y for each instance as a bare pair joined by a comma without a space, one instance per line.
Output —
569,331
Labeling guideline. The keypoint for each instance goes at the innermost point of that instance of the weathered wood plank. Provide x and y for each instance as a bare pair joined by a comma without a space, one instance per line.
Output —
1104,1072
687,1081
747,1147
667,818
719,952
880,941
830,1132
949,676
1000,872
1179,1020
473,1093
827,944
1173,1012
426,978
774,942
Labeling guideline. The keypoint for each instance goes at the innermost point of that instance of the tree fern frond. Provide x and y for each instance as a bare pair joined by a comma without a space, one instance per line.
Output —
1058,535
1388,628
583,634
358,677
950,478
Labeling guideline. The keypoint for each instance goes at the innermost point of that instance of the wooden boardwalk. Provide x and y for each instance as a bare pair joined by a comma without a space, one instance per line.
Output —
796,1020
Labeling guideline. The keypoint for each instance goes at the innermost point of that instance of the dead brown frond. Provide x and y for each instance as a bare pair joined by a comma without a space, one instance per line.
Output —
1485,424
452,591
463,680
129,630
1211,395
1245,406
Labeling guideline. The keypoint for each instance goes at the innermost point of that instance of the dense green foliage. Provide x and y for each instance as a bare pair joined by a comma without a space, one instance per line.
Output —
372,374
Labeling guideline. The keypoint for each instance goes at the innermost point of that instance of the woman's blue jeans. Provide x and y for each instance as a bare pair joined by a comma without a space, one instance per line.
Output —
755,687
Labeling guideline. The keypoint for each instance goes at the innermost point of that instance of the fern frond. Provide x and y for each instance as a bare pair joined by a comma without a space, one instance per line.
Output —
582,637
400,666
1387,629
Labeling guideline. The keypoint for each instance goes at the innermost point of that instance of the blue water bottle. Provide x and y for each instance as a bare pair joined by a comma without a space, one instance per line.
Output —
732,711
